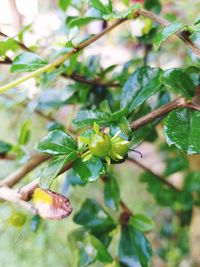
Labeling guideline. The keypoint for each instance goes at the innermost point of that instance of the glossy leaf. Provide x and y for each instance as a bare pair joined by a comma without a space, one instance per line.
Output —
57,142
99,6
4,147
89,170
88,117
94,218
35,223
182,129
78,22
140,86
102,254
142,222
74,179
165,33
52,169
111,193
52,99
134,249
179,81
27,62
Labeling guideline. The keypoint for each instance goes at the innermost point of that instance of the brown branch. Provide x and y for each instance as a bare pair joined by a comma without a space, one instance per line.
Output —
181,34
22,45
10,195
17,175
82,79
157,176
7,157
99,35
160,112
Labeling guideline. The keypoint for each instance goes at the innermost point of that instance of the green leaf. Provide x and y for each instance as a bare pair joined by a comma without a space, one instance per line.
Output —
94,218
54,125
182,129
88,117
8,45
57,142
73,179
142,222
89,170
99,6
63,4
192,182
194,28
122,14
35,223
49,78
197,20
111,193
51,99
52,169
192,185
27,62
165,33
179,81
140,86
78,22
4,147
81,170
24,132
102,253
89,248
134,249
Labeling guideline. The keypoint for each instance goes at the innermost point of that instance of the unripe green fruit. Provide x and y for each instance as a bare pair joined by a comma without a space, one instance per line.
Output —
17,219
100,145
147,26
118,148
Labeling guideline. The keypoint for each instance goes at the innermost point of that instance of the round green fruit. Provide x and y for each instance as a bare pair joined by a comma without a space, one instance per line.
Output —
100,145
119,148
17,219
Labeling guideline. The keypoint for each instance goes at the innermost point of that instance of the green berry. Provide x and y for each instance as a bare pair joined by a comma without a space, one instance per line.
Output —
17,219
119,148
100,145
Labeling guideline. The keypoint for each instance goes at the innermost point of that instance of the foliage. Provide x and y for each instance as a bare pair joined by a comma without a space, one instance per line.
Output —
111,110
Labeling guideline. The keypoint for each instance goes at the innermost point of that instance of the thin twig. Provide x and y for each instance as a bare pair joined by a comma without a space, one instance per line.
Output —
82,79
157,176
7,157
160,112
57,62
181,34
10,195
22,45
17,175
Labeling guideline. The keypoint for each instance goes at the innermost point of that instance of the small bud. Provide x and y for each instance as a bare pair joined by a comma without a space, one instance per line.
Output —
51,205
